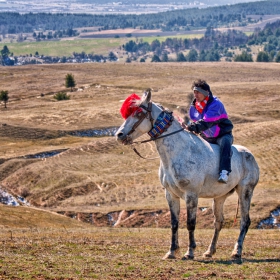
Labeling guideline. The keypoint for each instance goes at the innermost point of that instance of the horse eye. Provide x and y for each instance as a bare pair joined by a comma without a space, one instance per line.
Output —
138,113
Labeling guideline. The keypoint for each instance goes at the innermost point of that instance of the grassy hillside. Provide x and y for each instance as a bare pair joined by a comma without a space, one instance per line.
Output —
89,46
64,47
31,218
98,175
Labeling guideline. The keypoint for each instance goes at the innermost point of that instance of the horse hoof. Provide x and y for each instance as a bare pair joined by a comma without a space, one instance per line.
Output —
187,257
236,257
207,255
169,257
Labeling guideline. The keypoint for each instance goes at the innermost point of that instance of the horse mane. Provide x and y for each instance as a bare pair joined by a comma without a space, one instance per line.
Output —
130,105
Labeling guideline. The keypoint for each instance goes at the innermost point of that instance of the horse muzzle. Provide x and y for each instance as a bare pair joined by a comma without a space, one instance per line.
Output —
123,139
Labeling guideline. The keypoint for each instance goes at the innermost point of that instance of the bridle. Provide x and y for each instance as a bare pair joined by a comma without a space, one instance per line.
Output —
148,115
141,116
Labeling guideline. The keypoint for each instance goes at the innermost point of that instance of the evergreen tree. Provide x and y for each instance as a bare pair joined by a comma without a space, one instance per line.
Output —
70,81
112,56
4,96
244,57
164,58
181,57
262,57
155,58
5,52
192,56
277,59
202,56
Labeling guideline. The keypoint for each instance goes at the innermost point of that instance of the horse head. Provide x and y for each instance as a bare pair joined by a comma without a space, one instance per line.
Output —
139,115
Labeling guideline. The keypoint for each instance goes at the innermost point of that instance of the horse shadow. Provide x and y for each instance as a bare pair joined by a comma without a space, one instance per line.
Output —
239,261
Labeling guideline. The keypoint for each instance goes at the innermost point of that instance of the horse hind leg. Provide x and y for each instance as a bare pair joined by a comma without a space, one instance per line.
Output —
245,194
218,205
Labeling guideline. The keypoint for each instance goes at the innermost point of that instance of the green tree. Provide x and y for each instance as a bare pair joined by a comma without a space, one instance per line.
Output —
192,56
164,58
155,58
5,52
4,96
70,81
155,44
262,57
277,32
244,57
112,56
277,58
181,57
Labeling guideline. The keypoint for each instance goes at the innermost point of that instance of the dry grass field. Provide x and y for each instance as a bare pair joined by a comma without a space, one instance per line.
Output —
123,253
96,176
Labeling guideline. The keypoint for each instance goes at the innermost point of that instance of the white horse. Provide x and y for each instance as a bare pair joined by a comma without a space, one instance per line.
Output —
189,168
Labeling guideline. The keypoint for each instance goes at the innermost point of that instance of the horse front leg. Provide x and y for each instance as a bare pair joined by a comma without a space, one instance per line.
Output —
191,201
174,207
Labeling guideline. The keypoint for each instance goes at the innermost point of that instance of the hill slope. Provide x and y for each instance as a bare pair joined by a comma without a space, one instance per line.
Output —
99,176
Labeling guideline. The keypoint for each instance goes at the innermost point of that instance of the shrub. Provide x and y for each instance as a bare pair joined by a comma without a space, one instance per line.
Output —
61,96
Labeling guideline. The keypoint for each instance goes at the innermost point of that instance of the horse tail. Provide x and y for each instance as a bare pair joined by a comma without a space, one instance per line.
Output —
236,213
251,168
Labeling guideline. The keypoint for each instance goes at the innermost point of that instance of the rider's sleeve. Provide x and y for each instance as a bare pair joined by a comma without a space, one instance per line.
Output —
214,114
200,125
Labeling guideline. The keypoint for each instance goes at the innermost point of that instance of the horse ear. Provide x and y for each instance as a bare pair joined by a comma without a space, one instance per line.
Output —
147,96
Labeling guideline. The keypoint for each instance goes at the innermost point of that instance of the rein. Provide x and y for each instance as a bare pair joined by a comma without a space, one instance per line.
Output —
153,139
162,136
162,123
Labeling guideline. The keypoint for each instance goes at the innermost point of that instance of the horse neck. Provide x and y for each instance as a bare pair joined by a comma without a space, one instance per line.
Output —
170,146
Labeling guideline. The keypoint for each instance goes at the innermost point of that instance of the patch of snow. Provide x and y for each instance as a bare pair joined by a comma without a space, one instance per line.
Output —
8,199
45,154
273,221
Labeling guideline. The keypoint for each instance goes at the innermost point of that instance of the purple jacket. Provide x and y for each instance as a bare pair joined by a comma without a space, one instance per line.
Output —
213,122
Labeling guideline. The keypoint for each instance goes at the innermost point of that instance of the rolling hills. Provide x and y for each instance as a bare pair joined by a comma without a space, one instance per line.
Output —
96,176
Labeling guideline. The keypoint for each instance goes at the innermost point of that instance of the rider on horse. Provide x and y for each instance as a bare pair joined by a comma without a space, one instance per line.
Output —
210,120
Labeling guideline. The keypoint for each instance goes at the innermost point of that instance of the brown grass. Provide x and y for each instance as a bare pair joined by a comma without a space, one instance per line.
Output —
33,218
98,175
106,253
